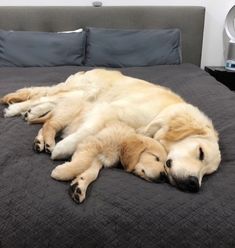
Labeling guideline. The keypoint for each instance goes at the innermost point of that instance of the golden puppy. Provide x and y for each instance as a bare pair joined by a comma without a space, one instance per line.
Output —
116,142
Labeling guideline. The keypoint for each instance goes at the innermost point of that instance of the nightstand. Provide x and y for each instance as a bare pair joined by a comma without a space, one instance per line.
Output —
222,75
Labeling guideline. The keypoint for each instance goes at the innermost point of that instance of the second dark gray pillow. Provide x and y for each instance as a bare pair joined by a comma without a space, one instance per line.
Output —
127,48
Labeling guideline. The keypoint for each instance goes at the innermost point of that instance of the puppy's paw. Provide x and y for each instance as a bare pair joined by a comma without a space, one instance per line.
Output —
77,192
38,145
62,172
62,150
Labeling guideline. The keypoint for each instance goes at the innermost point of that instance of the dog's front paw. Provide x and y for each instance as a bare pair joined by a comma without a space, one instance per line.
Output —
77,192
49,148
38,145
63,150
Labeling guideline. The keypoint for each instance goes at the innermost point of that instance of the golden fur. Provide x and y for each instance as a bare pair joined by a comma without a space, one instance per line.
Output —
87,101
138,154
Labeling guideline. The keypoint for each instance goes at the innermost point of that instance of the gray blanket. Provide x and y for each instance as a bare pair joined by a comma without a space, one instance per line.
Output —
121,210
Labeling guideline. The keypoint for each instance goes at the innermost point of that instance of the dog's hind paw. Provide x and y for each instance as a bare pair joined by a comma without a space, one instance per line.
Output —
25,115
7,113
12,110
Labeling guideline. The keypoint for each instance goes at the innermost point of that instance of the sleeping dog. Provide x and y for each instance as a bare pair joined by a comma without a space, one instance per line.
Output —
187,134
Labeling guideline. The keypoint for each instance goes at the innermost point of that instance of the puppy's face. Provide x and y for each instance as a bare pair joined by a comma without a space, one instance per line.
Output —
189,160
145,158
151,166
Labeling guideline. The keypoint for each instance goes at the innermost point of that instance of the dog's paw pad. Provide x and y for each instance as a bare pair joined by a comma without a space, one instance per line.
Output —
38,146
76,193
47,149
26,116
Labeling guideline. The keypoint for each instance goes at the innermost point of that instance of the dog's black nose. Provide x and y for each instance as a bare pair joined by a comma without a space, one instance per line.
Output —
161,178
192,184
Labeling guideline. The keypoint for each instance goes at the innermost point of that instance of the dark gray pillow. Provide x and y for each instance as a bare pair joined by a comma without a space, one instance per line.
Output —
125,47
24,48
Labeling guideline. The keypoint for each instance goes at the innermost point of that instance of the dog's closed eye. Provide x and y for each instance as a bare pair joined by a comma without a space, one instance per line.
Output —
157,158
201,154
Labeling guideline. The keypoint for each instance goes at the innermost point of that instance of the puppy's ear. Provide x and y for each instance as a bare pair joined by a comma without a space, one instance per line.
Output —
131,150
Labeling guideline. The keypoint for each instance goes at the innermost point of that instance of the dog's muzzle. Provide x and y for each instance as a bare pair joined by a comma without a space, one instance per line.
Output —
190,184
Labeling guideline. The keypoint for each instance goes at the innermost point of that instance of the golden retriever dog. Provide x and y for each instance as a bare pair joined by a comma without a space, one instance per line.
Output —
116,142
187,134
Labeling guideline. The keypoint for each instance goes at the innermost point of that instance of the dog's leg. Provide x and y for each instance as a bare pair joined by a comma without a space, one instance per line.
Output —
79,185
73,82
49,131
22,107
81,160
39,142
17,108
36,112
46,136
93,123
69,170
24,94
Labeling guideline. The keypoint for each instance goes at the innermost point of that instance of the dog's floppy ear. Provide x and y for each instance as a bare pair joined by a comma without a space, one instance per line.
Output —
176,128
182,126
131,150
178,122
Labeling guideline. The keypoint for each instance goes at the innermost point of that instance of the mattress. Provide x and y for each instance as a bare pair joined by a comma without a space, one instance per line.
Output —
120,210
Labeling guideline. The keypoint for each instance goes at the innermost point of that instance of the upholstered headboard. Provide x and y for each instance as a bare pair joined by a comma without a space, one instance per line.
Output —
190,20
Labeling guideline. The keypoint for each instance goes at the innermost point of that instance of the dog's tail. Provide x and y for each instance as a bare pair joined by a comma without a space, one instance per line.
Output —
42,119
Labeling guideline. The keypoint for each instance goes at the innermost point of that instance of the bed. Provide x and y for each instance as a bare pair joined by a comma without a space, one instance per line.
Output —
121,210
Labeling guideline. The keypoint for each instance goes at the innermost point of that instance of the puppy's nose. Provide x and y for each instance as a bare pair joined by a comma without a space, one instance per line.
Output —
169,163
192,184
161,178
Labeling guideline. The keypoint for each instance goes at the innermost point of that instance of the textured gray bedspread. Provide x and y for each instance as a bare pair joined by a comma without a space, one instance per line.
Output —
121,210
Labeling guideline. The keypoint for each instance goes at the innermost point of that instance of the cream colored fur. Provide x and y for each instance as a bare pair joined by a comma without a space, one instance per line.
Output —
116,142
110,96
